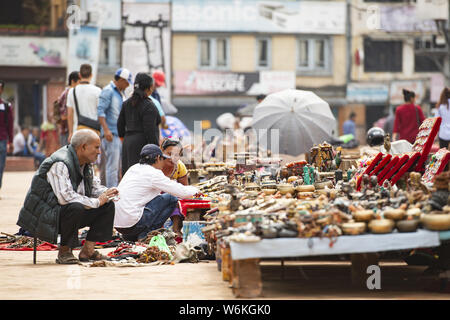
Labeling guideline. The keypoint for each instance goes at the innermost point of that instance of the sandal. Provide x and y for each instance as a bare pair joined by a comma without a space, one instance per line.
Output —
96,256
67,258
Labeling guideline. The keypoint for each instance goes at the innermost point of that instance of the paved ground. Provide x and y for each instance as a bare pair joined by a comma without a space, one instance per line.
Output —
325,279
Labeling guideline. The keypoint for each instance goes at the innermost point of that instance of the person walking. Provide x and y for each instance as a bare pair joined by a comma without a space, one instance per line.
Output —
60,109
349,126
82,102
109,107
138,122
443,106
408,118
160,81
6,131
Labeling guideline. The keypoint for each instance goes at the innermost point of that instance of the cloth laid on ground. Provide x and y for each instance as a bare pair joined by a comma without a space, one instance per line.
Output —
25,243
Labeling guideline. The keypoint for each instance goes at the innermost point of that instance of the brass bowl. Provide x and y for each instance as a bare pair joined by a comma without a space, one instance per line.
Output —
305,188
407,225
353,228
269,192
414,212
395,214
305,195
322,185
381,225
436,222
286,188
292,179
363,215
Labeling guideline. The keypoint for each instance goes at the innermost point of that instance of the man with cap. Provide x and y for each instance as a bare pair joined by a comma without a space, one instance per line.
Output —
109,106
141,207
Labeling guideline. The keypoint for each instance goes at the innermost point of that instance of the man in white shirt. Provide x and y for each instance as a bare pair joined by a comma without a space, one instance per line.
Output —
87,96
141,207
20,143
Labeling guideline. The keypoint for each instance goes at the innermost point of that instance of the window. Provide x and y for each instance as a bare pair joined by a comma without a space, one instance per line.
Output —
425,48
426,64
109,51
214,53
314,56
382,56
263,53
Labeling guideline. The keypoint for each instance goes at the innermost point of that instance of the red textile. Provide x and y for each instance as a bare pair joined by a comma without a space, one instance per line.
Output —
43,247
406,121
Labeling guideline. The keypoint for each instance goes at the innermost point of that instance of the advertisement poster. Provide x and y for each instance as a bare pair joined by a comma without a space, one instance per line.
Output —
232,83
33,51
314,17
84,46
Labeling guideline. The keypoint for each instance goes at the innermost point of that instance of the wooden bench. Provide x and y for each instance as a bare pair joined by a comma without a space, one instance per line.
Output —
19,164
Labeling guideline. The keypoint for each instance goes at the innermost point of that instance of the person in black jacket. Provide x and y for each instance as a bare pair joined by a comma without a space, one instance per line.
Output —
138,121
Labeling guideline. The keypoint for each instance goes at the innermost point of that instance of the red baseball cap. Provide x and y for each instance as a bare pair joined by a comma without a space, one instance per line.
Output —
160,78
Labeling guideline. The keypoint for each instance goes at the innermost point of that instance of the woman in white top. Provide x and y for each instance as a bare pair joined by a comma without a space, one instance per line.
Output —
444,113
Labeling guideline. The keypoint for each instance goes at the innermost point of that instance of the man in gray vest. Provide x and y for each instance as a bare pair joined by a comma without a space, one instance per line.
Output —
65,196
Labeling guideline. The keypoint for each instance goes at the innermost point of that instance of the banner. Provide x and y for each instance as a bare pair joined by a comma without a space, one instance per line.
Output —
404,19
259,16
232,83
84,47
33,51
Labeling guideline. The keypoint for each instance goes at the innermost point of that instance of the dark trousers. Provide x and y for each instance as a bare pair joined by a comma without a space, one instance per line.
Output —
443,143
156,212
74,216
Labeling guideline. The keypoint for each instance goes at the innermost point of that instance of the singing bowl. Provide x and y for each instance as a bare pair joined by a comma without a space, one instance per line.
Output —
407,225
353,228
395,214
436,222
305,188
269,192
363,215
381,225
285,188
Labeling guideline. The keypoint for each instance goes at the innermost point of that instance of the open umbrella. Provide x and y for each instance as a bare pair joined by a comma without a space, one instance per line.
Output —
301,118
176,129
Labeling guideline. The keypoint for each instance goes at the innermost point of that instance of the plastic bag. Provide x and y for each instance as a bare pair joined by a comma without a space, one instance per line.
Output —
160,242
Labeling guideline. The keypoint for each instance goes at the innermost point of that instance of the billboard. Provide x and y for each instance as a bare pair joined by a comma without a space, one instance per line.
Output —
33,51
314,17
232,83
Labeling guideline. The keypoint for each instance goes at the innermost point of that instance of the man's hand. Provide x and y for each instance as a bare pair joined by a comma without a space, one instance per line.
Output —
108,135
10,148
69,137
107,195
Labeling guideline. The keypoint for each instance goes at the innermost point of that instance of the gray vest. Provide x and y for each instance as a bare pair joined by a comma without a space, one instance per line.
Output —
40,212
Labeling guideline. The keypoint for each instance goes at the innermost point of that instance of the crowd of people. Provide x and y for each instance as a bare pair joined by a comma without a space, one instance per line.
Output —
144,176
143,173
404,122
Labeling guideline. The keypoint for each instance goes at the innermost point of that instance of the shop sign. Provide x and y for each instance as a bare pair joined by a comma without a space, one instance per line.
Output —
367,93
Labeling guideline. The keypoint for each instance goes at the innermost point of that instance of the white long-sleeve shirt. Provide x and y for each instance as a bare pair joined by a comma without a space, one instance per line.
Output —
59,179
141,184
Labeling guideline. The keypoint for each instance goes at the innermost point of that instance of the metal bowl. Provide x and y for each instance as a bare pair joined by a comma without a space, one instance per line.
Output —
305,188
395,214
286,188
269,192
407,225
381,225
436,222
363,215
353,228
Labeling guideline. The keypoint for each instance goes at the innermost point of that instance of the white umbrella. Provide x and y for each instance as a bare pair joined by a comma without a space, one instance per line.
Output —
301,118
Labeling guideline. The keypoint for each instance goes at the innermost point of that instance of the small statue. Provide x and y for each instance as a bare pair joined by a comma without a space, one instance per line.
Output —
338,157
374,183
306,176
365,181
387,142
414,183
